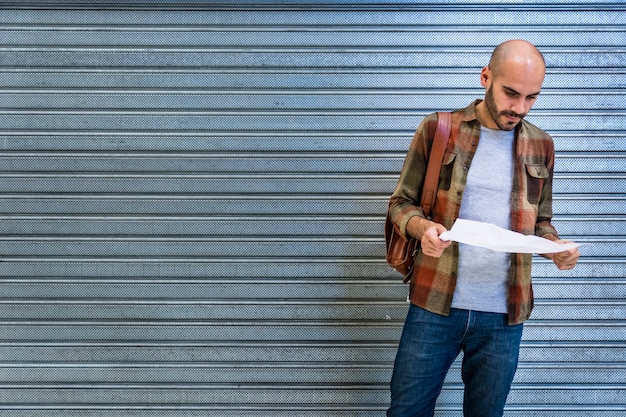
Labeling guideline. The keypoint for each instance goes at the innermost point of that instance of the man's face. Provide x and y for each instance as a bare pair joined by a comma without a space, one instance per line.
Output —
509,96
504,119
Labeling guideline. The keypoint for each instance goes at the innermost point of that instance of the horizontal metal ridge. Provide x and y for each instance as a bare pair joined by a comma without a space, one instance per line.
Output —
201,260
275,344
120,140
287,91
394,141
102,51
173,73
296,345
286,176
390,27
251,197
199,122
26,217
576,323
234,323
383,198
596,324
572,410
578,302
279,112
317,5
241,238
583,386
222,410
222,218
255,54
257,302
80,134
230,365
265,301
572,365
213,365
174,280
607,261
247,154
299,49
285,410
290,57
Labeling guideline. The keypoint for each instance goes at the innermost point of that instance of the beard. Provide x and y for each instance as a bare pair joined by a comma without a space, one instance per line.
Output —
495,114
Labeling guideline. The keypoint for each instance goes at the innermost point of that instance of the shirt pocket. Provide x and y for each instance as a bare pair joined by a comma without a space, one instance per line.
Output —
445,175
535,177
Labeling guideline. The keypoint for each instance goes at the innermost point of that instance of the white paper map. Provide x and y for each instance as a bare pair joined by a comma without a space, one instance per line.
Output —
490,236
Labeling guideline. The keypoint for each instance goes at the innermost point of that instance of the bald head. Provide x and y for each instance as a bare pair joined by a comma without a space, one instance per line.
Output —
516,52
512,81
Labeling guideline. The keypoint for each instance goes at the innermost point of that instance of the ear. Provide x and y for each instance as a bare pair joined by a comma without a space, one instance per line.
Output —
485,77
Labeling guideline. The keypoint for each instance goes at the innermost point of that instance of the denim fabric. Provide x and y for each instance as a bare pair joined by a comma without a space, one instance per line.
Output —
429,345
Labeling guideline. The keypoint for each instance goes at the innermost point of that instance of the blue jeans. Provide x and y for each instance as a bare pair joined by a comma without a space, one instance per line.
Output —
429,345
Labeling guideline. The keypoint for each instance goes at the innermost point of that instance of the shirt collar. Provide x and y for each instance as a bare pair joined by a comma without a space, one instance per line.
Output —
469,115
470,112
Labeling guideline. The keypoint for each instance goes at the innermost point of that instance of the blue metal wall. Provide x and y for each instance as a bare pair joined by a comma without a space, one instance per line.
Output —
192,197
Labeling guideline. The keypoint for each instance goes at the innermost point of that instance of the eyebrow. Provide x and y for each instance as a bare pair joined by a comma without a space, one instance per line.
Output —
511,90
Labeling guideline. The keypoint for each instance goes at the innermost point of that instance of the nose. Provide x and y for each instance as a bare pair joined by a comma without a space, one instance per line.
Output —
519,106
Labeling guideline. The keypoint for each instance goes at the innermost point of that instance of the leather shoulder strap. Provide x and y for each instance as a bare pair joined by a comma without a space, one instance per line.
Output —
440,141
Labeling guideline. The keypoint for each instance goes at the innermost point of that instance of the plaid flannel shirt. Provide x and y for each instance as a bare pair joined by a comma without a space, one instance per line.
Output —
434,279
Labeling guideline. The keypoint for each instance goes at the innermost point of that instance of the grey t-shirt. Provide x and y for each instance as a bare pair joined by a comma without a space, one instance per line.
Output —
482,274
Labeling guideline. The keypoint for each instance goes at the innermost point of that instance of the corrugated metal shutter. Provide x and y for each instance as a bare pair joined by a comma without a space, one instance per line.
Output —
192,197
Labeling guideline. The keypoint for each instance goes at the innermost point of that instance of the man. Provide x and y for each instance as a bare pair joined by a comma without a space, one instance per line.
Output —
498,168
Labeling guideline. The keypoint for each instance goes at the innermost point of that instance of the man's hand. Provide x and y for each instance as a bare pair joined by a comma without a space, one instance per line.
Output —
563,260
431,244
428,232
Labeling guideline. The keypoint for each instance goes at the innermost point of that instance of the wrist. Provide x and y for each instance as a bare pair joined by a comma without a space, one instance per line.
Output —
417,226
550,236
553,238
